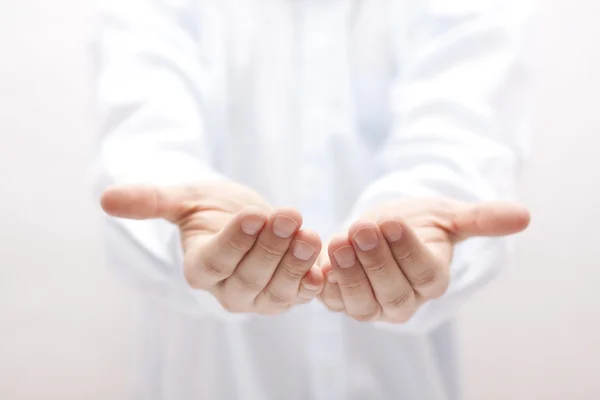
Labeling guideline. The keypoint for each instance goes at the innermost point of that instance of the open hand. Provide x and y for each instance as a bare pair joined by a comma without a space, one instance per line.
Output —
250,257
398,256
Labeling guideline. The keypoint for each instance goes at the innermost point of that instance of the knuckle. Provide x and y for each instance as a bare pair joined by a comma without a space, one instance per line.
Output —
311,289
239,243
377,266
278,299
309,294
400,301
196,268
213,268
406,254
305,294
332,302
426,278
269,251
292,271
366,316
304,299
436,291
351,284
247,284
329,298
431,284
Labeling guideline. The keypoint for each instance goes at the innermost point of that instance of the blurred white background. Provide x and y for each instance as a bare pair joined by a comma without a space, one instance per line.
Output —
67,330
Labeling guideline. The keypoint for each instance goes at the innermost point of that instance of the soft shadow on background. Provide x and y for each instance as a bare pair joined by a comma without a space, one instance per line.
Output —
67,329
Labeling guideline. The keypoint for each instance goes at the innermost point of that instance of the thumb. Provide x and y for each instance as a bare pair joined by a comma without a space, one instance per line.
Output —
144,202
490,219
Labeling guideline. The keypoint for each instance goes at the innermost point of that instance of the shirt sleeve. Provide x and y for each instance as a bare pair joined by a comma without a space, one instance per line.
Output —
149,87
460,128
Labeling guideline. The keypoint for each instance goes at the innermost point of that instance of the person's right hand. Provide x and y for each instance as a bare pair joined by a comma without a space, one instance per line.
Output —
250,257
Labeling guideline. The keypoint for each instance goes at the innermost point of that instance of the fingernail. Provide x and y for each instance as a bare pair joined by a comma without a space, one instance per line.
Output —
251,224
284,227
302,250
310,287
392,231
345,257
331,279
366,239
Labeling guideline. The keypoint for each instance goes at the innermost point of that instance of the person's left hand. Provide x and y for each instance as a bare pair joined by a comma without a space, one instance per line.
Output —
398,256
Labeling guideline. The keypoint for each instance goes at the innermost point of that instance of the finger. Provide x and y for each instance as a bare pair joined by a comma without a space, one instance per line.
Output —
428,275
311,285
391,288
256,269
332,297
283,288
325,265
489,219
215,260
359,300
145,201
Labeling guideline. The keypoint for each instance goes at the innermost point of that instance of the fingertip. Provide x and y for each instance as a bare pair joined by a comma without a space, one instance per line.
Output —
331,278
252,223
523,218
251,220
326,268
392,229
490,219
289,212
109,200
315,276
129,201
285,222
358,225
310,237
508,218
337,242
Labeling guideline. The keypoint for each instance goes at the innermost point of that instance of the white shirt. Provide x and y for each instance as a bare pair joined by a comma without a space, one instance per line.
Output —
331,106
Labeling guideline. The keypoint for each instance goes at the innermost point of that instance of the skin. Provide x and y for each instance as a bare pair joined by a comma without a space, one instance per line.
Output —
395,258
254,258
251,257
